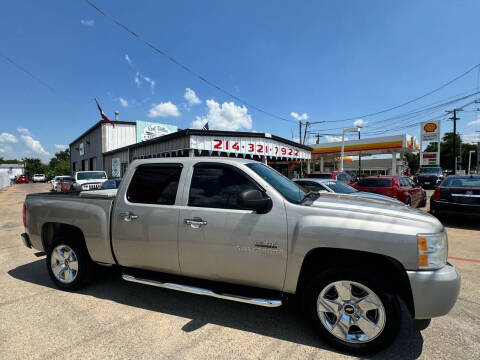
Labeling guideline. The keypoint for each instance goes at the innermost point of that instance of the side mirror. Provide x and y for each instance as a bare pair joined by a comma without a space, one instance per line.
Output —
254,200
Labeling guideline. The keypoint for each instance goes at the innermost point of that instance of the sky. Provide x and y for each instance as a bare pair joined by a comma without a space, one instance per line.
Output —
298,60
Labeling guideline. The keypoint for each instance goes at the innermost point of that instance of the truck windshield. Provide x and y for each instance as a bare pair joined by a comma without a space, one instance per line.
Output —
291,191
91,175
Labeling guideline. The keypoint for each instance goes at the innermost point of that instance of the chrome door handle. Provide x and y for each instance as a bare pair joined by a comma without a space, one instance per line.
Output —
127,216
195,223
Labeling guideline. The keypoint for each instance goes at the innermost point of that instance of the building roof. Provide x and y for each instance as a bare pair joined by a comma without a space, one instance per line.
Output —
96,125
8,166
187,132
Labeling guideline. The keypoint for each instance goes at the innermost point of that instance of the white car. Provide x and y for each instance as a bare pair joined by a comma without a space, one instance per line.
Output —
90,180
38,178
55,180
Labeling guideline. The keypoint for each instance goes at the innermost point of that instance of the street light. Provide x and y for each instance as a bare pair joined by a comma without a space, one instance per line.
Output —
355,129
470,159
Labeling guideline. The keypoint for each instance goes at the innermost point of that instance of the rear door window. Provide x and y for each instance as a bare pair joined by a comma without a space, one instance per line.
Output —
155,184
375,183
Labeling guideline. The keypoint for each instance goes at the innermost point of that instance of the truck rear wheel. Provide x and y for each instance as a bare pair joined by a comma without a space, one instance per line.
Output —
352,309
69,264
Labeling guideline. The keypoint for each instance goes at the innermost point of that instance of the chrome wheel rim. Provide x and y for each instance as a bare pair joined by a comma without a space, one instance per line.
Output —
351,311
64,264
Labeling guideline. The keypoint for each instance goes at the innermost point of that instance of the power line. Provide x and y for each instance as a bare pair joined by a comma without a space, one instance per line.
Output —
18,66
409,101
186,68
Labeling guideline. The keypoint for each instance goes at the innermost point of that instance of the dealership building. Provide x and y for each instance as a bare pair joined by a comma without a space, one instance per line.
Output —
113,148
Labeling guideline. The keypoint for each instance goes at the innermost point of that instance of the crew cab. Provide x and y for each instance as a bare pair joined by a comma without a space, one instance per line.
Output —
236,229
430,176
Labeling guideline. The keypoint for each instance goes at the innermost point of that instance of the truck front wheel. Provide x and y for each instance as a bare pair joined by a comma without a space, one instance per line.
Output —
68,263
352,309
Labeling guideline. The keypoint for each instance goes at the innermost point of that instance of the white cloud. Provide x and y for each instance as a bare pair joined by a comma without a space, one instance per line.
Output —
471,138
304,116
227,116
123,102
34,145
5,149
360,123
87,22
9,138
163,109
24,131
137,80
474,122
191,97
127,59
331,138
150,81
139,77
61,147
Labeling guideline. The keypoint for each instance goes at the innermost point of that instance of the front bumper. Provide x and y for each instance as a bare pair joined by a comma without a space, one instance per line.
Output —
434,292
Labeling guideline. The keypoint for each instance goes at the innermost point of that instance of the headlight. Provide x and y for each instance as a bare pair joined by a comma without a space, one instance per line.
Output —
432,250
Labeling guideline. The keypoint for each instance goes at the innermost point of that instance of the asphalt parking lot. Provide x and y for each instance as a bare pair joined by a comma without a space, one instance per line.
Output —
116,319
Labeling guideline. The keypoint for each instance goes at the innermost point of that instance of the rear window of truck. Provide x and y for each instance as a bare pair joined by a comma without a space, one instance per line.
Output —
375,183
155,184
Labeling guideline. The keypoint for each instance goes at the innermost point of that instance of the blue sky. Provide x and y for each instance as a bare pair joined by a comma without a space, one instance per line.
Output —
328,59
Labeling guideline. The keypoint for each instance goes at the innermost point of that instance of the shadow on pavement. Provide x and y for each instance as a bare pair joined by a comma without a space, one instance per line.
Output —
285,323
459,222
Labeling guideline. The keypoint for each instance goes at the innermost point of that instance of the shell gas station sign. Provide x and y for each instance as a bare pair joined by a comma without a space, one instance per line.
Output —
430,131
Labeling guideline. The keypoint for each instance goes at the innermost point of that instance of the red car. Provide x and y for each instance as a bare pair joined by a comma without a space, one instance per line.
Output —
22,179
64,184
401,188
335,175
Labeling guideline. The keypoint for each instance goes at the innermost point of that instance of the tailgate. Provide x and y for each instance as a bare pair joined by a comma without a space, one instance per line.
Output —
468,196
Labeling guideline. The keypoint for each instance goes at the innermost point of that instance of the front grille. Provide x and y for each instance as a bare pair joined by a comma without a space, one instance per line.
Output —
91,186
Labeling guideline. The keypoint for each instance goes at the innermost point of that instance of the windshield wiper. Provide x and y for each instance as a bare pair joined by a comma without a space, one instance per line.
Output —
312,195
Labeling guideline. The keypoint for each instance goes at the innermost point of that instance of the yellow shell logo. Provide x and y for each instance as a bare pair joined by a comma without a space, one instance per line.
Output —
430,127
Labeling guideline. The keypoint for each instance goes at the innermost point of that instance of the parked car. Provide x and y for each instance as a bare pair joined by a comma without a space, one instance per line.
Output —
111,184
338,187
55,181
38,178
89,180
398,187
457,195
22,179
65,184
335,175
429,177
236,229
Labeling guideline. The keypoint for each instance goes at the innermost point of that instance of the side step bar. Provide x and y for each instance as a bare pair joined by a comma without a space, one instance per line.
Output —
200,291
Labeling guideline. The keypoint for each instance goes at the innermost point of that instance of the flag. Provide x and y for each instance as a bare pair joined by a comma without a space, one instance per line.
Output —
104,117
205,127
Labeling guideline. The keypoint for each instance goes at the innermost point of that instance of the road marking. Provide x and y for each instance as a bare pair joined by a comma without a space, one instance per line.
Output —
464,259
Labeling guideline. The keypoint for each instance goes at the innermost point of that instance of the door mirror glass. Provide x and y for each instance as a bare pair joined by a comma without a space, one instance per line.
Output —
256,200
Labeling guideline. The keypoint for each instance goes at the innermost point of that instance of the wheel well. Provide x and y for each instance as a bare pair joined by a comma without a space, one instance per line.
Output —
51,230
393,270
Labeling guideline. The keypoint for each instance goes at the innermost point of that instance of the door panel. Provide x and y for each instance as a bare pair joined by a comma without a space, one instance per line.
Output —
145,219
233,245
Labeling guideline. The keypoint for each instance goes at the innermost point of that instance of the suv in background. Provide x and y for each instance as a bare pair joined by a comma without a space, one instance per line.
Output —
38,178
397,187
430,176
89,180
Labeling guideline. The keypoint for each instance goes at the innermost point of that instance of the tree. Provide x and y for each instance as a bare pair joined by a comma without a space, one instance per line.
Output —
446,151
12,161
60,164
34,166
413,161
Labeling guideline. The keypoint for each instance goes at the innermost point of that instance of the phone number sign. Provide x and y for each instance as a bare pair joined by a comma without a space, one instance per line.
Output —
248,146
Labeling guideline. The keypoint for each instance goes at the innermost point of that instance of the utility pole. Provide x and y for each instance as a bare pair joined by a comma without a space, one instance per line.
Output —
454,118
359,159
299,131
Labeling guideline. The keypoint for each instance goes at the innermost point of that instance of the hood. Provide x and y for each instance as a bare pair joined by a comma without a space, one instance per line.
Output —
384,209
91,181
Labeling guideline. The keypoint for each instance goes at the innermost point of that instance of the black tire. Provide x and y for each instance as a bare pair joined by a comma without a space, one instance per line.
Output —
85,266
424,201
408,201
373,281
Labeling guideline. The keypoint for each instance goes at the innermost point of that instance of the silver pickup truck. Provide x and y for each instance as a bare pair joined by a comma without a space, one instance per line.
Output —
236,229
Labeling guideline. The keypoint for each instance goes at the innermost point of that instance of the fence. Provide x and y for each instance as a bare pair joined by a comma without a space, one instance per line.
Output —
4,180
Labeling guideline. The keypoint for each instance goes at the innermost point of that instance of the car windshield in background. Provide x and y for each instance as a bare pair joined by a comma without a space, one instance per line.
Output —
462,182
91,175
111,184
375,183
432,170
291,191
67,180
339,187
319,176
